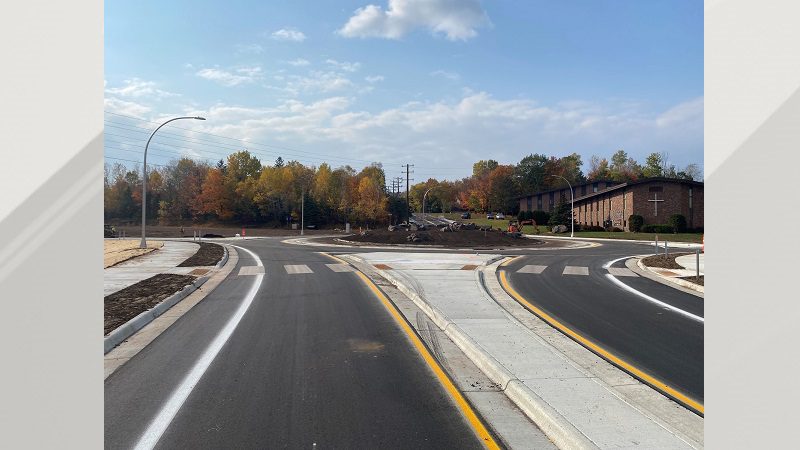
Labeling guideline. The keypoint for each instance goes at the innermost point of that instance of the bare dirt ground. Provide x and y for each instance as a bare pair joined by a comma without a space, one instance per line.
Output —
455,239
667,262
116,251
217,230
124,305
207,255
696,280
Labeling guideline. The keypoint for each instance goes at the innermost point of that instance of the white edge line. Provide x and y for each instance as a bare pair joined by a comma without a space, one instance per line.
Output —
647,297
159,424
651,299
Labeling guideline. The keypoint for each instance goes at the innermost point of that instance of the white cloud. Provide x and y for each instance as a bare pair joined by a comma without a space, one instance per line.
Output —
457,133
445,74
299,62
249,49
374,78
242,75
346,66
288,34
316,82
455,19
136,88
119,106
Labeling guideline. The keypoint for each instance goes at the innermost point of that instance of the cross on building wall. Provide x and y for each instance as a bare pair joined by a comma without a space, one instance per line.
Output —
655,201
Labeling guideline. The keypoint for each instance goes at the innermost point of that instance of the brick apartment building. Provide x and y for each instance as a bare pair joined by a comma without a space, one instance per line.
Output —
655,199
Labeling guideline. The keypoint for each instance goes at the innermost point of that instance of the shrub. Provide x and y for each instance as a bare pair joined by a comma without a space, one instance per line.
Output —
635,222
657,228
678,223
540,217
593,228
524,215
616,230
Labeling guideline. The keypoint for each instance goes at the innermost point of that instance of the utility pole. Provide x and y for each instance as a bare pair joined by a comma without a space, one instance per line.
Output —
408,184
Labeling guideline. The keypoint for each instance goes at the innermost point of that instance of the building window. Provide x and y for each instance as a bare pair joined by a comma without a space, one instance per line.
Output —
530,203
552,199
594,187
583,190
539,202
656,189
690,197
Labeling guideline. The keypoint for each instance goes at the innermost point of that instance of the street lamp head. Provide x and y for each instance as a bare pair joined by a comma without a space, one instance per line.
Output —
200,118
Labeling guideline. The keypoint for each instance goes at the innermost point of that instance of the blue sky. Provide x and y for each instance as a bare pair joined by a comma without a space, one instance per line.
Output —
436,83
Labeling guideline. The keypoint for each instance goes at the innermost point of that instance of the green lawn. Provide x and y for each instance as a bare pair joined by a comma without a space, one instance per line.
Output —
481,219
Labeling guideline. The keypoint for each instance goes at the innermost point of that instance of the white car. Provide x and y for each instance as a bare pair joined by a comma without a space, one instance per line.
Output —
500,216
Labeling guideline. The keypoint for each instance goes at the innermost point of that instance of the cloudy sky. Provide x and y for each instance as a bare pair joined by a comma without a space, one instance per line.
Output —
436,83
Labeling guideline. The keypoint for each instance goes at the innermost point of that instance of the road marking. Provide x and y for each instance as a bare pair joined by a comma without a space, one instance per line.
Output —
621,272
575,270
251,270
636,372
340,267
530,268
292,269
653,300
161,421
476,423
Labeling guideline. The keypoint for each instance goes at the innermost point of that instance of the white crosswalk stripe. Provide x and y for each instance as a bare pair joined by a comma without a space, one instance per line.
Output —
530,268
621,272
292,269
251,270
575,270
340,267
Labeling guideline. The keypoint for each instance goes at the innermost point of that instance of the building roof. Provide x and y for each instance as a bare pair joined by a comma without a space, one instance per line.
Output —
566,187
640,181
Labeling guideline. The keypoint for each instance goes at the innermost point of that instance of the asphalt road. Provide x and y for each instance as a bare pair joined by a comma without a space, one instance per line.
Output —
654,338
315,362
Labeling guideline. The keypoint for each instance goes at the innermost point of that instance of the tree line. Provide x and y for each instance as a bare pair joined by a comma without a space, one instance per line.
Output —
242,190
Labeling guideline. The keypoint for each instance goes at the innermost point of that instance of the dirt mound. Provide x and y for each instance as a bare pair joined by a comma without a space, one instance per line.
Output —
455,239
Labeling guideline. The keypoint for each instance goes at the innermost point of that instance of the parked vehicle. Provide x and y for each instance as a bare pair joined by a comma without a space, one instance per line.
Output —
466,215
499,216
489,216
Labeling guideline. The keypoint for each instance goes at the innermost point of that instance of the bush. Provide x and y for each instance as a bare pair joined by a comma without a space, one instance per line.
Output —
524,215
678,223
592,228
540,217
616,230
659,228
635,222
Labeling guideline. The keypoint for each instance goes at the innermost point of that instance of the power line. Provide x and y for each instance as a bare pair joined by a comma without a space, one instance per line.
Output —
288,149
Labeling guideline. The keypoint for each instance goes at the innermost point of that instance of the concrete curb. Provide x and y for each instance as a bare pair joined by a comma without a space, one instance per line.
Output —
563,433
638,241
137,323
677,283
224,259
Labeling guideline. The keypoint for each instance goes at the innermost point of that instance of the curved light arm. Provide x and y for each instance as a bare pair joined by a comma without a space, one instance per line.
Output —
143,243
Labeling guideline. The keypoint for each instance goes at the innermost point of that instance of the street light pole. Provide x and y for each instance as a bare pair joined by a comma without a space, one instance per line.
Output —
572,206
423,205
143,244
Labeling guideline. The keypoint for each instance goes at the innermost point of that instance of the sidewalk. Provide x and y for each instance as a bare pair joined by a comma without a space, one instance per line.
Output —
163,260
574,407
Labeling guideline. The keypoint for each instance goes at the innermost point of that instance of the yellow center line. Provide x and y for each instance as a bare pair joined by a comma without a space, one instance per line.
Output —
638,373
475,422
